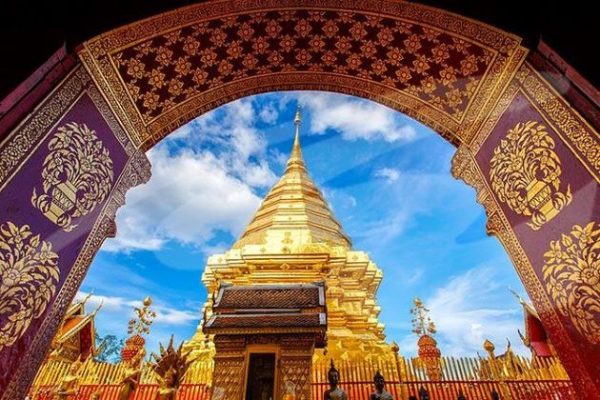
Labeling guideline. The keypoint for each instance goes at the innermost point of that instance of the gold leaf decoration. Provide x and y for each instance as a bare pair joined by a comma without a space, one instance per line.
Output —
28,278
77,175
525,174
572,276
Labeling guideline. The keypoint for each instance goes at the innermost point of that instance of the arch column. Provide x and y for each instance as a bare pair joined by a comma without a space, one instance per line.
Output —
45,220
535,164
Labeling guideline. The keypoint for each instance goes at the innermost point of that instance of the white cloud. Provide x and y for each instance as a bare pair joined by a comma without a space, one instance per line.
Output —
389,174
190,196
393,217
230,132
203,181
278,157
268,113
379,232
414,277
470,309
124,307
355,118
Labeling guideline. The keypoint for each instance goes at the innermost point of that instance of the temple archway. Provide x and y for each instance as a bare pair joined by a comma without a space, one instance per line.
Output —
474,84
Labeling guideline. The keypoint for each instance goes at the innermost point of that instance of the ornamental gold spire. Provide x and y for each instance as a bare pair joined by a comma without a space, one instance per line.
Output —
296,162
422,323
294,211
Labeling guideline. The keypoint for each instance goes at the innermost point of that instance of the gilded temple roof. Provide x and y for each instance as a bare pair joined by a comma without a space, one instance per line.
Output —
268,308
259,297
294,211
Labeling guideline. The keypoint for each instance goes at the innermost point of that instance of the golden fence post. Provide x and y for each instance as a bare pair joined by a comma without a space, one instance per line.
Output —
403,391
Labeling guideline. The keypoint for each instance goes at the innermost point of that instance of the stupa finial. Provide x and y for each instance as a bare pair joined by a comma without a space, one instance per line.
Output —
296,162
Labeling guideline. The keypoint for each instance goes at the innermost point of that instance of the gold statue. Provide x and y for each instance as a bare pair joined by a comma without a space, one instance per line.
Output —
69,384
168,389
131,376
429,354
97,394
170,366
145,317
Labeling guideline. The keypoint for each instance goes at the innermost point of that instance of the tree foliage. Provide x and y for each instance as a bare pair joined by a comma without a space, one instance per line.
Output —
109,347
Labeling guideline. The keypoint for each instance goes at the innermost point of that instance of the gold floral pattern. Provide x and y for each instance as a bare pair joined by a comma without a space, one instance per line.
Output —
572,275
243,49
28,278
77,175
525,172
313,43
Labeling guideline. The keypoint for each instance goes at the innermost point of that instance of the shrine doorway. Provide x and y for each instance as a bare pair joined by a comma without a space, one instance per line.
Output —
260,380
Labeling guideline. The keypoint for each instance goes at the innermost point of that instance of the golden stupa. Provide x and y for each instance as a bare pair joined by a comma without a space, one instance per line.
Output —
294,238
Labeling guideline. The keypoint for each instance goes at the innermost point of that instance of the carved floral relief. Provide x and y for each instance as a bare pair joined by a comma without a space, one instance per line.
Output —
28,278
525,174
572,275
77,175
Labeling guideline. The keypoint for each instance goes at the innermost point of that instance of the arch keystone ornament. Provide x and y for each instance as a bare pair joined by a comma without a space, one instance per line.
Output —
77,175
525,174
572,276
28,278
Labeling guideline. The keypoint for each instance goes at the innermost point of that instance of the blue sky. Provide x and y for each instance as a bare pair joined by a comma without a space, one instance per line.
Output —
387,180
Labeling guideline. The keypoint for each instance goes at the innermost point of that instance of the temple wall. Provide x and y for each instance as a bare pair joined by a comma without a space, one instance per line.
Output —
230,367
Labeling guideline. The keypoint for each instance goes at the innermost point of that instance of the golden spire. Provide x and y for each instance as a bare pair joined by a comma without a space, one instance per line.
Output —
296,162
294,211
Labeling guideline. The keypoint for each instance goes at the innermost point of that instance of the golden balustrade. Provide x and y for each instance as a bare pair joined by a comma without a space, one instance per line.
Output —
513,377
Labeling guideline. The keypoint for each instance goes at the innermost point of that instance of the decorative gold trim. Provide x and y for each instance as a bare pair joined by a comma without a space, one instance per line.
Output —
576,132
571,278
21,143
77,160
505,57
28,135
29,278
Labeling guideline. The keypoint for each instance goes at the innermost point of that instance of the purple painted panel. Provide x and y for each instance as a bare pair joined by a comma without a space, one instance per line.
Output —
67,237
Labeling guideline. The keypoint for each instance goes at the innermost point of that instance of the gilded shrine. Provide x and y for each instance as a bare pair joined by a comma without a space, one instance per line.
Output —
294,238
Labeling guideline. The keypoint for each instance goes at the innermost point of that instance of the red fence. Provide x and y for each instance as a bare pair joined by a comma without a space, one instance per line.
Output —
449,390
143,392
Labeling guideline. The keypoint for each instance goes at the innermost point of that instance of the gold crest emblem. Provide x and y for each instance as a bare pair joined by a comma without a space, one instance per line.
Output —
525,174
77,175
572,276
28,278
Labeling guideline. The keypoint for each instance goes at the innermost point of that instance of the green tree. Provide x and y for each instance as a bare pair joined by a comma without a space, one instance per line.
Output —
110,347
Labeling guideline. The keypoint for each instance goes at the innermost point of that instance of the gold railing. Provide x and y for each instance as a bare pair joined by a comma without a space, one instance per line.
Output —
513,378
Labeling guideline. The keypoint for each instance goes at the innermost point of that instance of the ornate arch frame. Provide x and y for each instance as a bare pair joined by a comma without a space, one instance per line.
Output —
531,151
